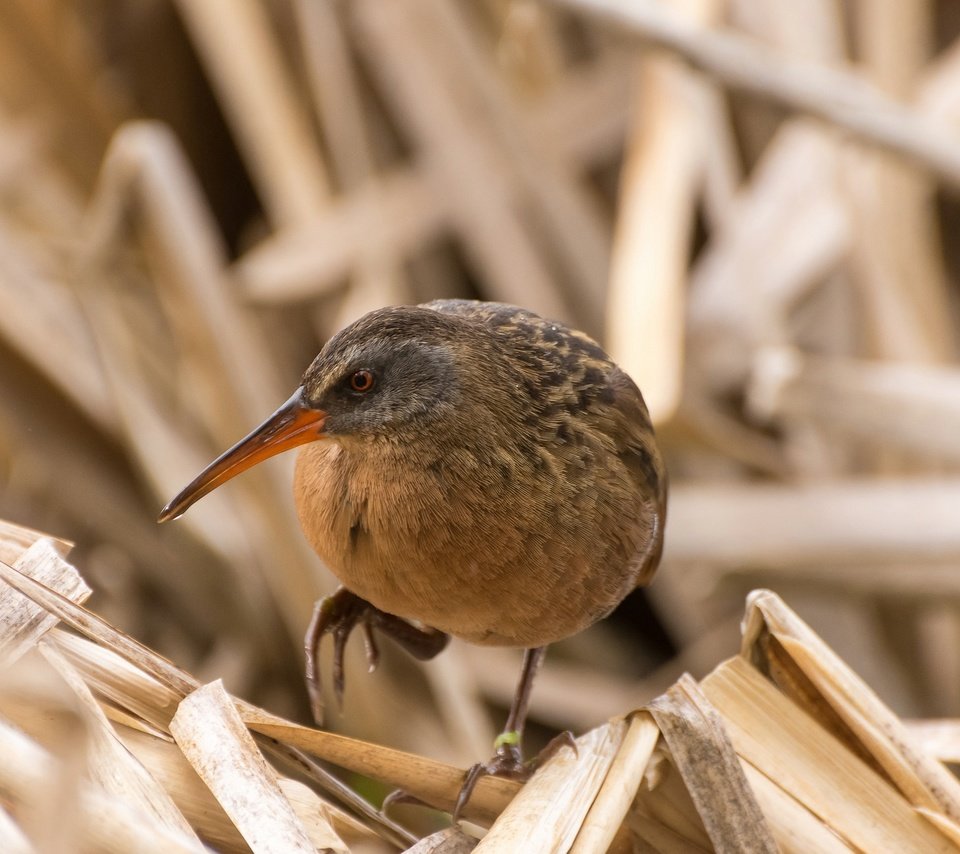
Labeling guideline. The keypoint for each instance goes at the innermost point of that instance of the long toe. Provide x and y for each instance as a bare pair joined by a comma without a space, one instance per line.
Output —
507,762
338,615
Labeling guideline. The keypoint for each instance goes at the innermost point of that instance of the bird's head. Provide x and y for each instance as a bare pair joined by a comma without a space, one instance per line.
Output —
393,374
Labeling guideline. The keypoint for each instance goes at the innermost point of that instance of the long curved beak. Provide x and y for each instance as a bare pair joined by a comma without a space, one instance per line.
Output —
292,424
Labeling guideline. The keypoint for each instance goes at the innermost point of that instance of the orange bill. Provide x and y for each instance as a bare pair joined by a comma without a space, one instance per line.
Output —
292,424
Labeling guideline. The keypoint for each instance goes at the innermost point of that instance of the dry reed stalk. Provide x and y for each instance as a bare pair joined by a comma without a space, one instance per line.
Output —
315,258
247,66
823,758
660,185
923,781
215,741
102,824
549,810
820,523
233,377
613,801
205,814
701,750
428,780
22,622
573,224
841,98
109,764
906,406
482,209
434,783
782,742
795,828
178,684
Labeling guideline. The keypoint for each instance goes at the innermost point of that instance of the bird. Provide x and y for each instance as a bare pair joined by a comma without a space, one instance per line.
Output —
466,469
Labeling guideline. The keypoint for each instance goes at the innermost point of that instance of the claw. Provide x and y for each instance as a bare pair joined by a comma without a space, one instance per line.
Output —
338,615
370,647
508,762
554,746
399,796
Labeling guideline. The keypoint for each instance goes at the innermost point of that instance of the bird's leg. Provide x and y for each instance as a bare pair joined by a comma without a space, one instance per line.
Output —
508,759
338,615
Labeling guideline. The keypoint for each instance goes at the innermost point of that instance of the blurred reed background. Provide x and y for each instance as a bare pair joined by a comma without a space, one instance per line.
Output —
760,223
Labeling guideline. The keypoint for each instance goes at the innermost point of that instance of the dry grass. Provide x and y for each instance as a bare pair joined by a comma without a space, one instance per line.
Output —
752,203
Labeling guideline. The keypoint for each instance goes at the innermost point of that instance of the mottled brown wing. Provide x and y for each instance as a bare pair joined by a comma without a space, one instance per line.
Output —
642,459
597,385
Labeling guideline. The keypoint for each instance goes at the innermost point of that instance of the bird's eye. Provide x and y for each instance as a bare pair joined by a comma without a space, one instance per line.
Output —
361,381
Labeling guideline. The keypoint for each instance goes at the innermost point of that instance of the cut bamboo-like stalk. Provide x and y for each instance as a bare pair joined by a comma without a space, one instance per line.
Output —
547,813
23,622
923,781
126,685
182,683
198,804
701,749
619,787
787,745
213,738
795,828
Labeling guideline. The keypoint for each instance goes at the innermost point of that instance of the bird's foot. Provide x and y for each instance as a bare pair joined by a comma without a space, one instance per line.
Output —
338,615
508,762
